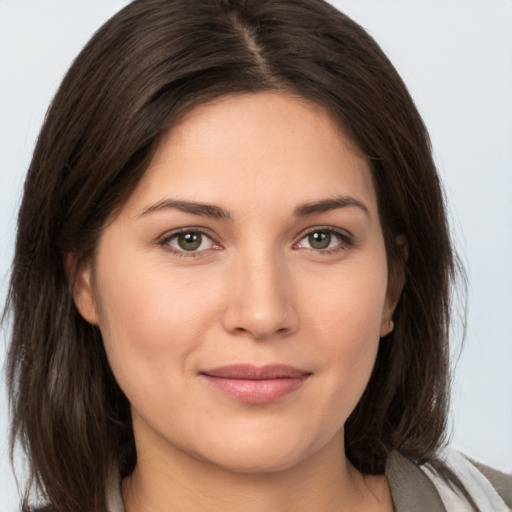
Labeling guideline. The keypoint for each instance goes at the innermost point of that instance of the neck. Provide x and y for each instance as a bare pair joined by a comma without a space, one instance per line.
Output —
325,482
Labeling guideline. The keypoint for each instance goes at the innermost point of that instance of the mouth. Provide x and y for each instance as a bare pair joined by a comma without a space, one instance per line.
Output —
253,384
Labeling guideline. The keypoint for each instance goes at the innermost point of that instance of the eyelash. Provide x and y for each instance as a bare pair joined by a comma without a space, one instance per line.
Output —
345,241
164,242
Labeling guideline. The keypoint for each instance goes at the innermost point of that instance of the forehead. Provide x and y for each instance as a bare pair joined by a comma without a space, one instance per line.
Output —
256,150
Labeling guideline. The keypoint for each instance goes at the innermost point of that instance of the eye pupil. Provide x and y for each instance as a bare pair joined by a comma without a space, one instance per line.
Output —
189,241
320,239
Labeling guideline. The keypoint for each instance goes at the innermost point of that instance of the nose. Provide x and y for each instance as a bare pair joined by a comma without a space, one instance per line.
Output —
260,298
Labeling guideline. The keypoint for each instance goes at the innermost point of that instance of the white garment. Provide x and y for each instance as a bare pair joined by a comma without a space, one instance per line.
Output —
480,489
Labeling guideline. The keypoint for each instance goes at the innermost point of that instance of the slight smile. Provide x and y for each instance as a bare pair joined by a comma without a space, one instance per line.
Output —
255,385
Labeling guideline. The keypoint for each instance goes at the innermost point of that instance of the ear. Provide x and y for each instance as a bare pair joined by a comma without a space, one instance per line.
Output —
81,287
396,283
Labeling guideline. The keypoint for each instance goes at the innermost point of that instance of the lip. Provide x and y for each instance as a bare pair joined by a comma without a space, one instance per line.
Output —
255,384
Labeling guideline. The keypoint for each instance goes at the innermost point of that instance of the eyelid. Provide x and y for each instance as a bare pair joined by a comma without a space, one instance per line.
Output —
163,241
346,237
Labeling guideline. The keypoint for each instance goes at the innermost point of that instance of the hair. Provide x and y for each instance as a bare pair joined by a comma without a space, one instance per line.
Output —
144,69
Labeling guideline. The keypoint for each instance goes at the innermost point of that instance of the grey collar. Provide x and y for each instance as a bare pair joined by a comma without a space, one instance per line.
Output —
411,488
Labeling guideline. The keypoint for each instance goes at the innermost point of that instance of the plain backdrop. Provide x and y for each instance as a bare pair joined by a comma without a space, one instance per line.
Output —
456,58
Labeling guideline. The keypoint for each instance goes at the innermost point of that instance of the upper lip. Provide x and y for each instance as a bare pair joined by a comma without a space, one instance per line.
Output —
251,372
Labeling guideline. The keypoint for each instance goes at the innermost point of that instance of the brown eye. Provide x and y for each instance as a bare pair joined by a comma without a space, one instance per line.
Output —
324,240
189,241
320,239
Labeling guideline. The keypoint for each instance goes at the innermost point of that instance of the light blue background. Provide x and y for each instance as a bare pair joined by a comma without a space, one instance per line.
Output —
456,58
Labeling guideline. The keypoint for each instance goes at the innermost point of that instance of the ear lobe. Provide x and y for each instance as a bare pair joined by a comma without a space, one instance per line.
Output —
81,288
395,285
393,295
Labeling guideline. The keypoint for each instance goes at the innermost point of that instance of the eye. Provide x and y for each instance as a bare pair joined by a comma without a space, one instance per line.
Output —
324,240
189,241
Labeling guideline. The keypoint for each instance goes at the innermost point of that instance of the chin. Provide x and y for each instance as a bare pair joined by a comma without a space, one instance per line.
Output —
259,454
248,461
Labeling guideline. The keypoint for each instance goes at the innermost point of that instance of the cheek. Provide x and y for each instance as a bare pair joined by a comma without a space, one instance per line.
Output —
151,319
344,316
349,302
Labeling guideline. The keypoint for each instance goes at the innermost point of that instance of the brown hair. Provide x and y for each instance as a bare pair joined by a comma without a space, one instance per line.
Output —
141,71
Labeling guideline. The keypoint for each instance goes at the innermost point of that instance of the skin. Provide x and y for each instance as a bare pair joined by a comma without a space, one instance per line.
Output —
257,290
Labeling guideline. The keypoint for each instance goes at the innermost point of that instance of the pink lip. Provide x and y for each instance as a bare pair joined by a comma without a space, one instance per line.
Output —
255,385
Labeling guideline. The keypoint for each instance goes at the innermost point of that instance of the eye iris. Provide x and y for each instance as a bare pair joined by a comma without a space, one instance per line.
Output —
319,239
189,241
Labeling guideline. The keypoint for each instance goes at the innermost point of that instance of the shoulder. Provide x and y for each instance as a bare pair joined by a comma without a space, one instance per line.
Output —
501,482
450,482
489,488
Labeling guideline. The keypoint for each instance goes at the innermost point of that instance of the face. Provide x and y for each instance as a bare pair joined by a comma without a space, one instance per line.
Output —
243,288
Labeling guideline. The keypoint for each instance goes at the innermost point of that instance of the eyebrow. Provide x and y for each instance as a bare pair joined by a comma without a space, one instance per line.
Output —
327,205
205,210
216,212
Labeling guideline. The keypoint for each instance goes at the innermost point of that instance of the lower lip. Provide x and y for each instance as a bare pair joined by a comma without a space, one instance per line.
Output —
256,391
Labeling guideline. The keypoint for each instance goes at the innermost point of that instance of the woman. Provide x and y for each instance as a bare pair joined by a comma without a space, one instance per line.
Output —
226,292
